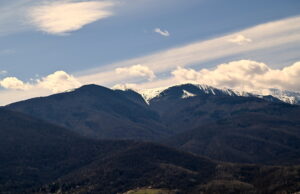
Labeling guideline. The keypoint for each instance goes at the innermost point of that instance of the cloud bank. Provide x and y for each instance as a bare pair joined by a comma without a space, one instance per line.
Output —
65,16
244,75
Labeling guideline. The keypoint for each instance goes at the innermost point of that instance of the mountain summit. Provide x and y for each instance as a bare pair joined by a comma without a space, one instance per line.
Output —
97,112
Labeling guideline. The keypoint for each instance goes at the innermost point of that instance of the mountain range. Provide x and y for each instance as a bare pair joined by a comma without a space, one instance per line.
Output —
290,97
184,139
215,123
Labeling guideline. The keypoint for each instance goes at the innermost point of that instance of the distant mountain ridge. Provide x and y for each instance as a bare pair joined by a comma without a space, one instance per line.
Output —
271,94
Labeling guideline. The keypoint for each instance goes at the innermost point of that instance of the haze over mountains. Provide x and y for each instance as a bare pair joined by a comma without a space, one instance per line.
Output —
92,139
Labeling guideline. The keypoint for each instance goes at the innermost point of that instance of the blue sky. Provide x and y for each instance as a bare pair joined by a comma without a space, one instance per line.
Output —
51,46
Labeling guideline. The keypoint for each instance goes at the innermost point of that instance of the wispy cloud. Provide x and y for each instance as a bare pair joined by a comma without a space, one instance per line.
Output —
240,39
65,16
137,70
162,32
12,16
282,35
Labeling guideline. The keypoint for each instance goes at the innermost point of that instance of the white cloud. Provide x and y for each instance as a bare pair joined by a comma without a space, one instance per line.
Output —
126,86
137,71
244,75
65,16
140,86
161,32
16,89
14,83
59,81
240,39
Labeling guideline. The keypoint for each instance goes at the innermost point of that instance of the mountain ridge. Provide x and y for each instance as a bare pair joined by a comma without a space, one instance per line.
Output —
283,95
93,107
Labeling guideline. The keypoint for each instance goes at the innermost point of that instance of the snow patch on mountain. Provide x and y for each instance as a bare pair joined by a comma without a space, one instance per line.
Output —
187,94
149,94
290,97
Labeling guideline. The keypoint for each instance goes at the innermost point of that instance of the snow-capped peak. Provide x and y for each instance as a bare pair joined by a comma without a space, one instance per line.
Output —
283,95
149,94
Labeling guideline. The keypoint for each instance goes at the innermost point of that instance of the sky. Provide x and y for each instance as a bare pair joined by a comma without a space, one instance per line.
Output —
51,46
